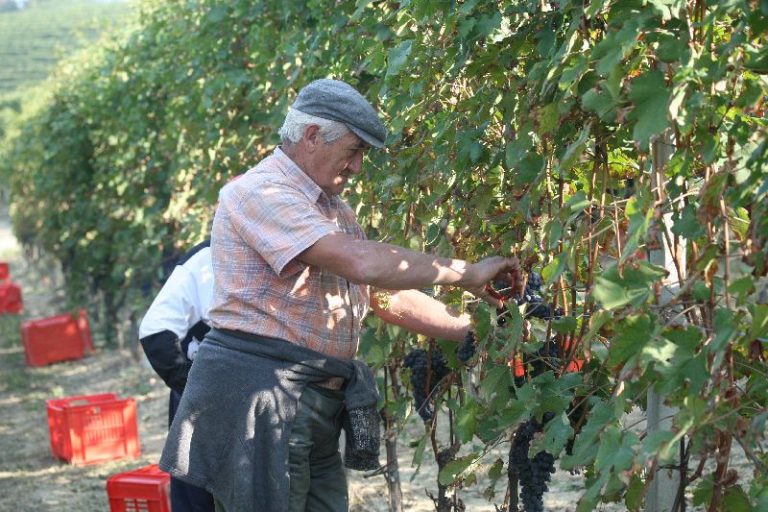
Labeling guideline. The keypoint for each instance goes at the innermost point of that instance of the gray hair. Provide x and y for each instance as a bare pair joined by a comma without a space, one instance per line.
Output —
297,121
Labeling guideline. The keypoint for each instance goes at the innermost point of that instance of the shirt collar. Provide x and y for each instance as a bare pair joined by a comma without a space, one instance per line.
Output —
299,177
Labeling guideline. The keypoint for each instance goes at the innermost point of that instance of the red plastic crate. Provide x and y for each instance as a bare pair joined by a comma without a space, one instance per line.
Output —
145,489
10,298
57,338
93,428
4,273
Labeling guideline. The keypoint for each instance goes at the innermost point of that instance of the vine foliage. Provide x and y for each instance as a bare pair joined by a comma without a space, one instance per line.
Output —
585,137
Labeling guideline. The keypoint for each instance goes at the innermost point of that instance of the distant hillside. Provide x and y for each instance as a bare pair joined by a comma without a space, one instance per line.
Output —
35,37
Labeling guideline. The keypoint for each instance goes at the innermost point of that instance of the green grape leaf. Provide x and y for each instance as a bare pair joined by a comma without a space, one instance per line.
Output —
614,289
398,57
547,118
574,150
565,324
640,213
650,97
632,335
759,328
615,453
736,500
554,437
701,291
686,224
466,421
601,100
725,328
453,469
529,169
757,61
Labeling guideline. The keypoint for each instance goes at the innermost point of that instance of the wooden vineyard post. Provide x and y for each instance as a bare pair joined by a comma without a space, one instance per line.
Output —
392,469
669,252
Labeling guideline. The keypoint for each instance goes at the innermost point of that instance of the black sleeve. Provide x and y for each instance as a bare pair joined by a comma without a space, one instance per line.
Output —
197,332
165,356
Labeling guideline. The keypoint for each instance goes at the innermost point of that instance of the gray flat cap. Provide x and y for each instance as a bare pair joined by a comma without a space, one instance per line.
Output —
338,101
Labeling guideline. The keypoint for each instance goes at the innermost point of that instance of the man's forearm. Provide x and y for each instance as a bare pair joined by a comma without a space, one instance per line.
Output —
396,268
166,359
401,269
417,312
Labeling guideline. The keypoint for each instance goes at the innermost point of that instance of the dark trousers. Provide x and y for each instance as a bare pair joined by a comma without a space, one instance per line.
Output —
318,483
186,497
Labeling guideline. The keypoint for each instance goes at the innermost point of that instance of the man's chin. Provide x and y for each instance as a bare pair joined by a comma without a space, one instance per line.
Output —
333,191
338,188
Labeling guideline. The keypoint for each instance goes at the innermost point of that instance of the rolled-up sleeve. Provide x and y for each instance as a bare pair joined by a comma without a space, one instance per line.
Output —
280,224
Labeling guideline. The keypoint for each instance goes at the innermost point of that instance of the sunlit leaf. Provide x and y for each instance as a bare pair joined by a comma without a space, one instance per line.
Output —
633,286
759,328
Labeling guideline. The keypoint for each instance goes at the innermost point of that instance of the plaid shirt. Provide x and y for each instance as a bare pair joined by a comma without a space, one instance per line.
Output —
264,220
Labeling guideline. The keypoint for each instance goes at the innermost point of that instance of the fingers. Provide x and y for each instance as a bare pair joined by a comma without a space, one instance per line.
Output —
510,276
491,297
496,269
514,276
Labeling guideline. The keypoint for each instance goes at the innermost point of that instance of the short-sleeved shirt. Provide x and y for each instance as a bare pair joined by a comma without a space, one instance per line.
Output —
266,219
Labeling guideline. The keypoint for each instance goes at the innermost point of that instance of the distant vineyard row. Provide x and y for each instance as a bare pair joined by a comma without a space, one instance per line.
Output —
34,39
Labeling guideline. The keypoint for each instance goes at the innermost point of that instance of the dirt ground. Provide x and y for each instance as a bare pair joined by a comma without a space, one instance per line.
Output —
31,480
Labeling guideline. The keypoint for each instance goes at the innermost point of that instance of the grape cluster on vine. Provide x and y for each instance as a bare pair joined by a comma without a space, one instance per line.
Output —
467,347
533,473
534,302
546,358
427,370
531,297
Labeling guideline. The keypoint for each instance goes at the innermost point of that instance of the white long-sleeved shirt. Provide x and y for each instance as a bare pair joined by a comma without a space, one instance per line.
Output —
183,301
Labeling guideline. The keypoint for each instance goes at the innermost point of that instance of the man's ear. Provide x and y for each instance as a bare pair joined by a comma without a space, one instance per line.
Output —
312,137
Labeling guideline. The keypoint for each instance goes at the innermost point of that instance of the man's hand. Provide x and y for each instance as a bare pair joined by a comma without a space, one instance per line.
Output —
480,276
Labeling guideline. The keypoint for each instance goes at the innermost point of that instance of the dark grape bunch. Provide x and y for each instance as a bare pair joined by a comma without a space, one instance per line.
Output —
577,415
547,358
426,374
467,347
531,297
445,456
533,474
535,305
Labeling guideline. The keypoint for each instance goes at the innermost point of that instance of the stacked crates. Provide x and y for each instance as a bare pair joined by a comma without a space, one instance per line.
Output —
145,489
93,428
57,338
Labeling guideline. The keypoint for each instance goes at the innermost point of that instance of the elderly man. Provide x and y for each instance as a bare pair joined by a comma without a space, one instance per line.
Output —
275,378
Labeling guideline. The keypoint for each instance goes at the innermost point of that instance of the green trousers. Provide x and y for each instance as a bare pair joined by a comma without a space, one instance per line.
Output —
318,483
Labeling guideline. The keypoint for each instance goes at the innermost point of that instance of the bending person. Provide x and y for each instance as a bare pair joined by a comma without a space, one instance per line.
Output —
275,378
170,333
